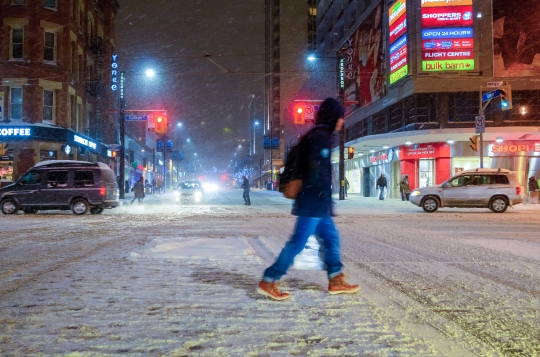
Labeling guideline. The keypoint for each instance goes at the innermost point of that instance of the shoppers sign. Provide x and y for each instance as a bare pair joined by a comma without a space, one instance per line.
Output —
447,35
15,132
519,148
398,50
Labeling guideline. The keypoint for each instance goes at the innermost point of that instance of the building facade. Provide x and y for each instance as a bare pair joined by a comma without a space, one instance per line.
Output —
414,76
56,100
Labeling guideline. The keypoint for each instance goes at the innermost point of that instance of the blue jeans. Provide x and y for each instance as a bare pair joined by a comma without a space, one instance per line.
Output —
325,229
381,193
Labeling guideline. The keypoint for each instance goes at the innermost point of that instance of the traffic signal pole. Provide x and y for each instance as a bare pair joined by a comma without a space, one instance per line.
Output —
481,148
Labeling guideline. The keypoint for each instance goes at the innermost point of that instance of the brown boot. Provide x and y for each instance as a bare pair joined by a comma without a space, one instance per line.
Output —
271,290
338,285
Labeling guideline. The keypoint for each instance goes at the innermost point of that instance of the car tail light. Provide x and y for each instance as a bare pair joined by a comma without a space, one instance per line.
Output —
102,191
518,190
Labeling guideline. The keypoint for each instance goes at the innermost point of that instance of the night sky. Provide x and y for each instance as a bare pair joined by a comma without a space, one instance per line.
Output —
211,99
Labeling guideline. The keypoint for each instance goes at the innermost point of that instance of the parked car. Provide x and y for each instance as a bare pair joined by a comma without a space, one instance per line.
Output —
191,191
495,189
62,184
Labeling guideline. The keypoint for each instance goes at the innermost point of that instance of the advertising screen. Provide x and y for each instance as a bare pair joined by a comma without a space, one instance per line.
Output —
398,49
516,38
365,62
447,35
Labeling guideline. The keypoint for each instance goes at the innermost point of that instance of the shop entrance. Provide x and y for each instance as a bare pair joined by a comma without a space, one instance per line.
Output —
366,185
426,172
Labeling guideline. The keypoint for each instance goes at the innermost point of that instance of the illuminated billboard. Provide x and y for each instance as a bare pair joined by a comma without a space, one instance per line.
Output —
364,62
398,49
447,35
516,38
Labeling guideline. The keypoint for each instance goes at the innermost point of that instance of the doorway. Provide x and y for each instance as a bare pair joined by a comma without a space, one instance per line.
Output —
426,172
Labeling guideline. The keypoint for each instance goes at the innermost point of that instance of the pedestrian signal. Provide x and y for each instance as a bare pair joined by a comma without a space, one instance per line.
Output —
506,97
350,152
474,141
299,115
161,125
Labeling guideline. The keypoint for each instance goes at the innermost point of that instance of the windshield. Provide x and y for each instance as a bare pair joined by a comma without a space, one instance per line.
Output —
189,185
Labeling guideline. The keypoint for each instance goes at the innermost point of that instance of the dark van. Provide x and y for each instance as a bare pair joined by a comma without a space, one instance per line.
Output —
61,185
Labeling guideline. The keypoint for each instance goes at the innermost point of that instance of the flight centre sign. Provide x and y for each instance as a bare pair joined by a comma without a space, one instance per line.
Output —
447,35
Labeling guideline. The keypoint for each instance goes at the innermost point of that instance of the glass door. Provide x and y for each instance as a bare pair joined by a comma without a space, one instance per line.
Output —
426,172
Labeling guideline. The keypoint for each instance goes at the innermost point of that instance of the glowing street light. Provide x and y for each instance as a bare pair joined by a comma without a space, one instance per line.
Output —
150,73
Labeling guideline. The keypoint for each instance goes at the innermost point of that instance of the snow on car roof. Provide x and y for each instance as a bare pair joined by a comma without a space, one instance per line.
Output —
55,162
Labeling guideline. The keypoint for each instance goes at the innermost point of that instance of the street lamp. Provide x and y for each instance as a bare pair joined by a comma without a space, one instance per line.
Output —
150,73
255,123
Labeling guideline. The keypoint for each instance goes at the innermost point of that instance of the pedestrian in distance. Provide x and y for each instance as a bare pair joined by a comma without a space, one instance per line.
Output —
153,186
138,190
314,208
126,186
346,186
404,188
533,184
245,186
381,185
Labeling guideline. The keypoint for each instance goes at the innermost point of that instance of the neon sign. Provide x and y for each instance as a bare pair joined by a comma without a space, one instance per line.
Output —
397,16
84,141
15,132
114,72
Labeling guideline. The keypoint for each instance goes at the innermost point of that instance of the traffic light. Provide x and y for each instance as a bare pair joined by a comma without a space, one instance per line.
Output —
161,125
474,141
506,97
299,114
350,152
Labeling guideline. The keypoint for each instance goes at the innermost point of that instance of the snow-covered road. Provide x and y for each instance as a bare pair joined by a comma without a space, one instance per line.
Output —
158,279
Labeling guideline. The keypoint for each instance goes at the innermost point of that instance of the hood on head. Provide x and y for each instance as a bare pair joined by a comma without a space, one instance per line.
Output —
329,113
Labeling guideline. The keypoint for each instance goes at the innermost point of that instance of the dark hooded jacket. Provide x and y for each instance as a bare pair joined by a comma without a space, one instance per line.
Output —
315,198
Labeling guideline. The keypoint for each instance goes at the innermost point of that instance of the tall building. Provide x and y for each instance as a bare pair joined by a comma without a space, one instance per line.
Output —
55,82
419,78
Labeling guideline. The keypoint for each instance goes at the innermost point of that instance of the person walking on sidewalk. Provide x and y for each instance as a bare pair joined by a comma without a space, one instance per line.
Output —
138,190
245,186
404,188
381,185
346,186
313,208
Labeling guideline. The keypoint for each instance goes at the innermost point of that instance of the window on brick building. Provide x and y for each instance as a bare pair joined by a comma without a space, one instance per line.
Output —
17,43
49,52
15,102
17,2
48,105
50,4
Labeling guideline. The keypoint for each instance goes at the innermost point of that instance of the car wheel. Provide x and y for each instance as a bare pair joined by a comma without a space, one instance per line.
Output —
498,204
30,210
9,206
430,204
96,210
79,206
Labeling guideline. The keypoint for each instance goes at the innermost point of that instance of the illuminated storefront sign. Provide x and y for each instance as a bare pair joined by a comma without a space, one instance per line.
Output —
447,35
114,72
15,132
515,148
398,49
456,44
431,55
447,16
437,3
457,65
85,142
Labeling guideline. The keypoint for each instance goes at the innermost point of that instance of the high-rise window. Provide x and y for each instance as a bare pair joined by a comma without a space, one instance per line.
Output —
16,101
17,2
48,105
49,53
50,3
17,43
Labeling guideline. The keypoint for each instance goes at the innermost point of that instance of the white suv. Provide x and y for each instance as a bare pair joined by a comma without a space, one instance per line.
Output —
495,189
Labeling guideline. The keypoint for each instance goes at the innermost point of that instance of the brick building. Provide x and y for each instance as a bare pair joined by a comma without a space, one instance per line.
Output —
55,82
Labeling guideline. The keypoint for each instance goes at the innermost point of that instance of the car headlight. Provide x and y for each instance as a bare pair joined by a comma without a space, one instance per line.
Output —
176,194
198,195
415,193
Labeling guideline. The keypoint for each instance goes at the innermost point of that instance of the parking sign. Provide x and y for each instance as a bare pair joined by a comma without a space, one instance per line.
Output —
480,124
